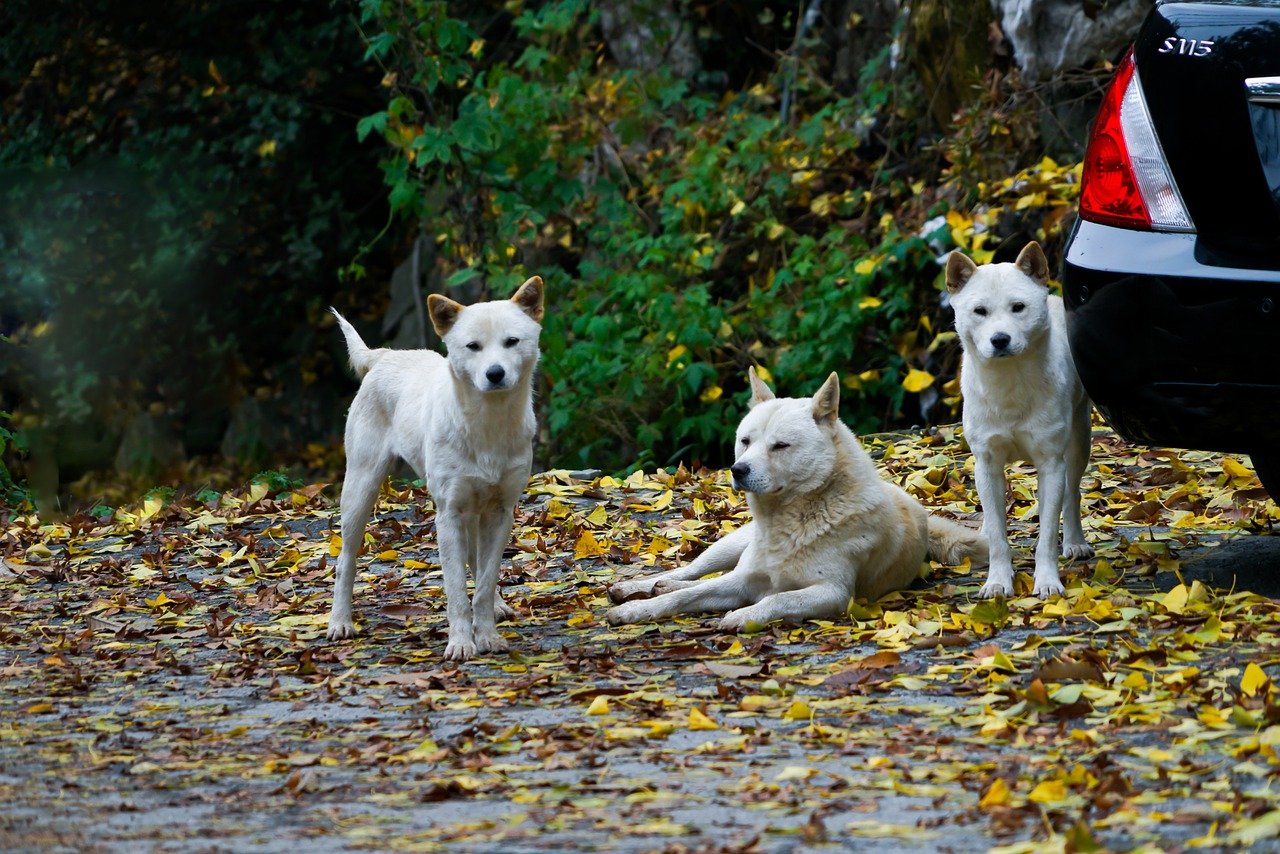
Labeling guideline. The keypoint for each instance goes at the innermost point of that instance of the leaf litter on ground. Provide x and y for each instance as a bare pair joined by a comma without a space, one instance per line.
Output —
167,682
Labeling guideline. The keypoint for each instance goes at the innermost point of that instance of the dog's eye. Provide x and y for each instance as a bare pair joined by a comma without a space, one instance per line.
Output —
981,311
473,346
511,342
746,442
780,446
1017,307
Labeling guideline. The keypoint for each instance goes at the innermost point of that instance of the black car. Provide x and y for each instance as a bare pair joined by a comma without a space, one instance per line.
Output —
1172,271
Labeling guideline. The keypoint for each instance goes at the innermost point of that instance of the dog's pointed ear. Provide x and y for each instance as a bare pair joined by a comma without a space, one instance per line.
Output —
1031,261
529,298
960,269
759,391
826,403
444,313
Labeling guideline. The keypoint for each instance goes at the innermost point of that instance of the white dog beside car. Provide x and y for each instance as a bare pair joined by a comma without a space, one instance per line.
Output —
1022,401
465,423
826,527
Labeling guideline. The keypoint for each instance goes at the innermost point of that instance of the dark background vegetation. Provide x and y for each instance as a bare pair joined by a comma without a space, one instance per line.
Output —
185,187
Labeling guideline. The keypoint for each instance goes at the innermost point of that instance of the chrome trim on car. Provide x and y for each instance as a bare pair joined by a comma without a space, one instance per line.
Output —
1263,90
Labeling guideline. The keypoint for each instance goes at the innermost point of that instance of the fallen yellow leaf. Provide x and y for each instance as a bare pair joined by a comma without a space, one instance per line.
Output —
697,720
1253,681
997,794
587,546
1048,792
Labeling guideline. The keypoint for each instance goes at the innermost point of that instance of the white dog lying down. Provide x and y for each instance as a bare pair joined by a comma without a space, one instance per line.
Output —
1022,401
466,425
826,526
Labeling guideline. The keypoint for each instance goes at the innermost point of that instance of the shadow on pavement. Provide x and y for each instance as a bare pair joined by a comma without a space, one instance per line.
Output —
1244,561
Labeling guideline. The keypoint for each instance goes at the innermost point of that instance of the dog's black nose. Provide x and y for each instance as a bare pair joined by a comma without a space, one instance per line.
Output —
1000,340
740,470
496,373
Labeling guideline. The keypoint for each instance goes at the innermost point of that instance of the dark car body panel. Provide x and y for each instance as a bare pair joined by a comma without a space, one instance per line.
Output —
1172,332
1171,349
1205,122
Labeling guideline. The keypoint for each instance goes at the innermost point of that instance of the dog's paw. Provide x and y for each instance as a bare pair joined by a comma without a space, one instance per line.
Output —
735,621
490,642
626,590
340,628
996,587
502,611
460,649
624,614
1046,586
671,585
1077,551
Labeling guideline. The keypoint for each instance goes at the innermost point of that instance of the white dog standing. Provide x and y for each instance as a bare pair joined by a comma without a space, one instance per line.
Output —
826,526
465,423
1022,401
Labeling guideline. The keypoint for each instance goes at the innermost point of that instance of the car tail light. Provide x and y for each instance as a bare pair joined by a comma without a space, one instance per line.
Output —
1126,180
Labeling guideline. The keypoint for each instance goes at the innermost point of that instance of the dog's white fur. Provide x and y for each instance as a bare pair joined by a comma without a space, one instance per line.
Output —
1022,401
826,526
465,423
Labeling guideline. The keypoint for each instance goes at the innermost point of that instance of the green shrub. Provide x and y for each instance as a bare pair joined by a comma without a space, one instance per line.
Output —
13,445
684,233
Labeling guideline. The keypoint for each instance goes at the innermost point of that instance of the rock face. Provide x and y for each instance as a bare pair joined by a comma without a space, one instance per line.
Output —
1049,36
648,36
855,32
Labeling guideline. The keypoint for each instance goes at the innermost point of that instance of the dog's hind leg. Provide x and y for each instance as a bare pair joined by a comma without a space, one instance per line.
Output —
1074,545
365,472
501,610
720,556
492,536
475,559
1052,476
815,602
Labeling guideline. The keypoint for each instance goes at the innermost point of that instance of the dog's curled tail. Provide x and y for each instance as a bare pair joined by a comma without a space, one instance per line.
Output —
361,355
950,542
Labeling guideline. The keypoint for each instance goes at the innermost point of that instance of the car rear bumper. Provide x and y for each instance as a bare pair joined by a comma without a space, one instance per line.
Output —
1173,350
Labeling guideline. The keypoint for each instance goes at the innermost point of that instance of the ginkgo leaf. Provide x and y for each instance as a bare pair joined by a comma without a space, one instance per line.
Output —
587,546
996,795
1253,680
917,380
1048,792
699,721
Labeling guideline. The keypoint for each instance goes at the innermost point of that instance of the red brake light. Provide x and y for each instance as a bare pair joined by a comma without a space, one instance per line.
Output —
1126,179
1109,191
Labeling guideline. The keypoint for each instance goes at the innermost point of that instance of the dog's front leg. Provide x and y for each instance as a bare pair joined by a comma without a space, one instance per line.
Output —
494,531
724,554
989,474
1051,483
796,606
731,590
454,530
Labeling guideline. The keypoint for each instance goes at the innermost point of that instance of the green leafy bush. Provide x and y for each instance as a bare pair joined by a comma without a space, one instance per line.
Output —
685,232
12,445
